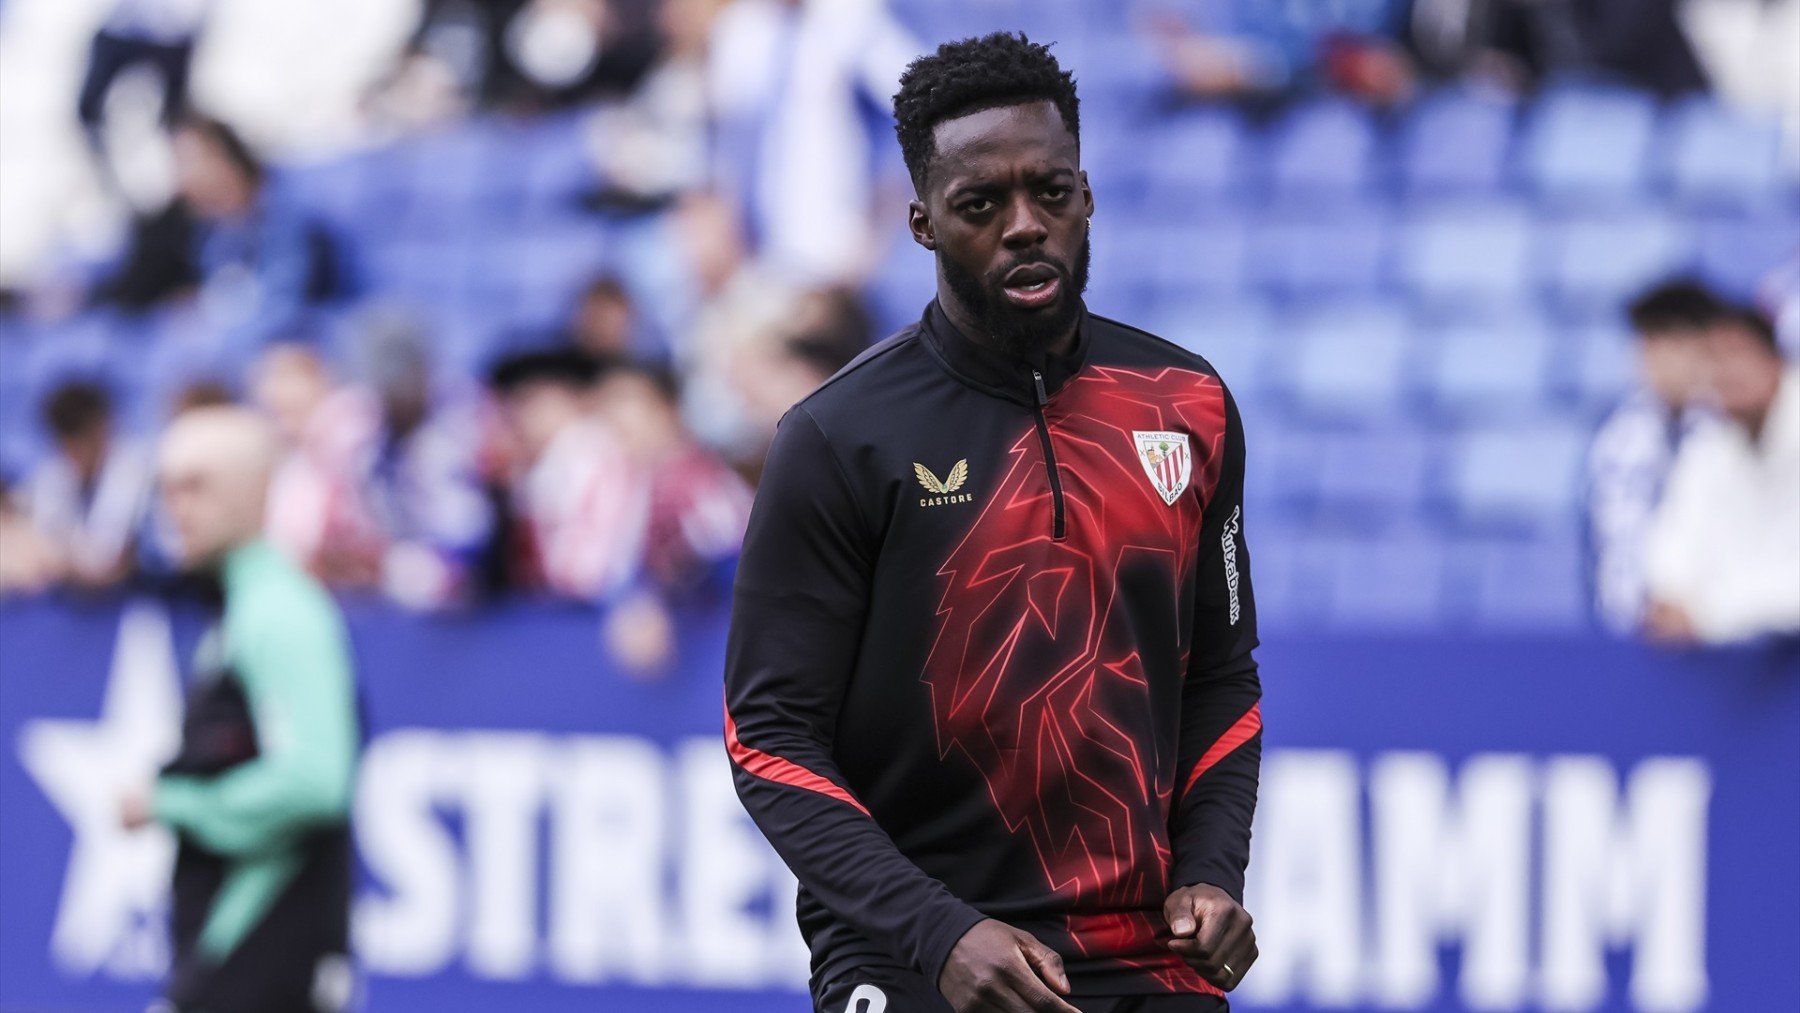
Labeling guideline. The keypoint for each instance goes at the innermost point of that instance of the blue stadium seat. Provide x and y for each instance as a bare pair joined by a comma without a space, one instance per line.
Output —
1735,252
1287,571
1532,584
1232,333
1462,254
459,171
1349,361
1376,478
1322,150
87,347
1489,368
1283,484
553,164
1389,582
1714,155
1588,144
1192,156
1456,142
1346,250
1519,478
1602,260
1209,253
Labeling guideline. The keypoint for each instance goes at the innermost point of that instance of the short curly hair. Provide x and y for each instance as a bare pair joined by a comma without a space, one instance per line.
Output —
970,75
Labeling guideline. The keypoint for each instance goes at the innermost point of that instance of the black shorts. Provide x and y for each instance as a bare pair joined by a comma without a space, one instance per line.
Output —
884,989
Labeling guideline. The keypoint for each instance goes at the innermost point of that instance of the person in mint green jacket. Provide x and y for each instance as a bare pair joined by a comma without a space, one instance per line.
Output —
259,795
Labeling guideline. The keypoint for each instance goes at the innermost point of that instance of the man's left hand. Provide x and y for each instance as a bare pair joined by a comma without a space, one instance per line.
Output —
1212,933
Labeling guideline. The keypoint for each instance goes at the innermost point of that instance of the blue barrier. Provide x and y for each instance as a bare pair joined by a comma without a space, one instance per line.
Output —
1444,825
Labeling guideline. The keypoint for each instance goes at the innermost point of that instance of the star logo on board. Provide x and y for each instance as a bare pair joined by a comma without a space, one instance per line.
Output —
112,913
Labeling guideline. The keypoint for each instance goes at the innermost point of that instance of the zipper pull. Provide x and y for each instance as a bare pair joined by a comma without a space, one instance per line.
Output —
1038,378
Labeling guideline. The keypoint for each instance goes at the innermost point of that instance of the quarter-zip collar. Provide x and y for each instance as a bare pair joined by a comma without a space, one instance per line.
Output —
999,373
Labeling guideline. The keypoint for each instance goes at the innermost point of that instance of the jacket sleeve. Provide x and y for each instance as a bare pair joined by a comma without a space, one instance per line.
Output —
293,656
1220,749
799,600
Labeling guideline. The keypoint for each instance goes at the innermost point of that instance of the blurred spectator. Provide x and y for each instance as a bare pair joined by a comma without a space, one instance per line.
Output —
1251,51
261,258
29,560
698,506
605,320
1724,552
1635,447
575,488
258,263
319,512
693,517
1779,294
789,83
202,394
420,481
90,497
154,34
1520,42
530,54
824,329
650,146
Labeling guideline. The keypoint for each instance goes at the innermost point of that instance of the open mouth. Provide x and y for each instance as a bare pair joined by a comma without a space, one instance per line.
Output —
1032,286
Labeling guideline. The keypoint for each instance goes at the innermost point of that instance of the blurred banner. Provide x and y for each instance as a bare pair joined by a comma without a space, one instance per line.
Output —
1444,825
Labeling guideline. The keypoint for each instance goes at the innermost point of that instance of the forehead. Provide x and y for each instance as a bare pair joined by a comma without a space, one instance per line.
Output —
1002,141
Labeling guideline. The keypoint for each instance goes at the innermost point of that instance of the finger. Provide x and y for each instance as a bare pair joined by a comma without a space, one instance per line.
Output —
1033,995
1237,947
1178,910
1214,923
1227,966
1047,963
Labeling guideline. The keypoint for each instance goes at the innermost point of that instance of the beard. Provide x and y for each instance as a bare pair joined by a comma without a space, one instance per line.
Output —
1021,333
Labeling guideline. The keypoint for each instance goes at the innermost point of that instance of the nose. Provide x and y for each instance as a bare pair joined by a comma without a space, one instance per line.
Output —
1024,227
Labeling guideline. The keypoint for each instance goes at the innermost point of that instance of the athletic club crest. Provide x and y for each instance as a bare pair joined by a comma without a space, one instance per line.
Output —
1166,461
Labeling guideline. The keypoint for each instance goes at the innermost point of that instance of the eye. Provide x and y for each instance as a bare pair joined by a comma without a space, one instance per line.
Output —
978,206
1056,193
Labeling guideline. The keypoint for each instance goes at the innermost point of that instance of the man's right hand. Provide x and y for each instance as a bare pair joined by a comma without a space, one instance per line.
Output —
996,967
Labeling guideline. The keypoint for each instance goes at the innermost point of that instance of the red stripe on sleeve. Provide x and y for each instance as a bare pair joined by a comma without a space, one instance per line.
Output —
773,768
1239,733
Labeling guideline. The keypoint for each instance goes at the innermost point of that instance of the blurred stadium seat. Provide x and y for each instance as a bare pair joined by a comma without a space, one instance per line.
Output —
1457,142
1586,143
1347,362
1516,478
1468,253
1600,261
1709,155
1322,150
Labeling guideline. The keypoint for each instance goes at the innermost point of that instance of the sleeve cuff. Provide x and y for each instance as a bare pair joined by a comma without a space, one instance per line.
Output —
950,931
1211,874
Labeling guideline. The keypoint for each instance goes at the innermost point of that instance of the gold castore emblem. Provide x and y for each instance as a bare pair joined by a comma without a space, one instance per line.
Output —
959,473
941,491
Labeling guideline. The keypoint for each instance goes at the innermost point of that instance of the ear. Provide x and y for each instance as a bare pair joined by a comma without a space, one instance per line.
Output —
918,220
1087,196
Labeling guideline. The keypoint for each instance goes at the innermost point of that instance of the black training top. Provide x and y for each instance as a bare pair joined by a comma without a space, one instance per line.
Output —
990,651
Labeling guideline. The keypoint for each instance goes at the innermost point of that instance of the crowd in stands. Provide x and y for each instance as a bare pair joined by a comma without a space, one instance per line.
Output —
1694,479
520,415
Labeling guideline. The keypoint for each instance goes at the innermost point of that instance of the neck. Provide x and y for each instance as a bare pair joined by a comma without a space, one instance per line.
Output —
966,324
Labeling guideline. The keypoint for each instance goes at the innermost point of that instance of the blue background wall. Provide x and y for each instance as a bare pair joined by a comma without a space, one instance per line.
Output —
500,741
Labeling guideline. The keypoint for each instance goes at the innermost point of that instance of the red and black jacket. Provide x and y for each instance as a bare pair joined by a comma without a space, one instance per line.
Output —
990,651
